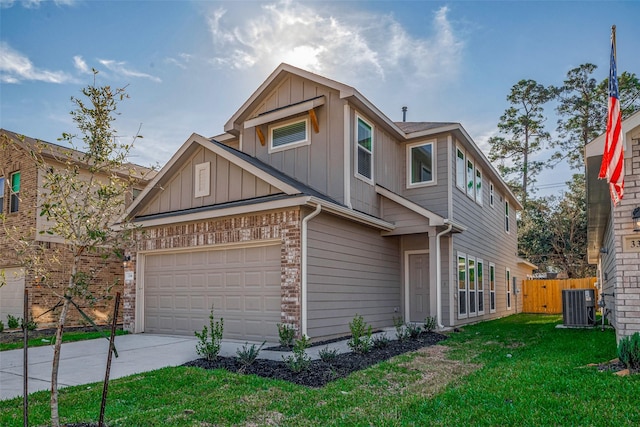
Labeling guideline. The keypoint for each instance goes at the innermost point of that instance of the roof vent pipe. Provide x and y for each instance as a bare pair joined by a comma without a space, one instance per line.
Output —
404,114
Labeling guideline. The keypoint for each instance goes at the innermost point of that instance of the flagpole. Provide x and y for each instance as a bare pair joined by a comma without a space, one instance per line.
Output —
613,41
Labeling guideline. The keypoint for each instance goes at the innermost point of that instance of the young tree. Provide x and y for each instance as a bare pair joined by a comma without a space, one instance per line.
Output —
522,135
80,200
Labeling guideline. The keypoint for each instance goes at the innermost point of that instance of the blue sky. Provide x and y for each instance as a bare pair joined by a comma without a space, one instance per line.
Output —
190,64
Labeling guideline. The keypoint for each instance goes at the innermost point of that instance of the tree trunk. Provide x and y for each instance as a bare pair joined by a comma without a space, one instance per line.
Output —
55,417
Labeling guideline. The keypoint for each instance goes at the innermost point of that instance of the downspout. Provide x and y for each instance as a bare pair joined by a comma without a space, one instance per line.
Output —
439,275
303,285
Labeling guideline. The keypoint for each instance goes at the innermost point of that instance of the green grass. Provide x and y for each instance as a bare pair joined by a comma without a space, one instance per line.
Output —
545,382
66,337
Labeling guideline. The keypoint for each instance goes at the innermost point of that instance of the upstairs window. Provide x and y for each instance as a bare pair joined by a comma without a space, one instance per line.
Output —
1,195
289,135
365,149
460,168
421,167
470,180
491,195
479,186
506,216
15,192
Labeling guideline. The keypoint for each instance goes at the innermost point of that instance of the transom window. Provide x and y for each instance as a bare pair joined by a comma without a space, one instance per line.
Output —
1,194
364,135
289,135
15,192
421,163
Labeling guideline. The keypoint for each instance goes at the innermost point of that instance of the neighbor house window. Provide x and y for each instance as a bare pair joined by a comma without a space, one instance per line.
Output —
463,286
289,135
491,196
1,195
506,215
421,167
492,288
479,186
364,158
15,192
508,275
470,182
460,168
480,276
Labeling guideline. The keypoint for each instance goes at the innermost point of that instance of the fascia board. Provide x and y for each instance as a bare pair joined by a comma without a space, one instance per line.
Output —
285,112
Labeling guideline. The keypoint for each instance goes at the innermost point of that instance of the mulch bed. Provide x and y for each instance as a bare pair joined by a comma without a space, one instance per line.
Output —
320,373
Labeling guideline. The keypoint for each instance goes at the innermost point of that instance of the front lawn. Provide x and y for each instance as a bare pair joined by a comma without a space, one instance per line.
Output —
514,371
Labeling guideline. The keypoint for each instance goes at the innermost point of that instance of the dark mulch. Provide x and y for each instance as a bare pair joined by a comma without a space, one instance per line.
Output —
320,373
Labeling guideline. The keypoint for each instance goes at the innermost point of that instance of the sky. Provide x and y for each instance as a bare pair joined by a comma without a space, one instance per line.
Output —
189,65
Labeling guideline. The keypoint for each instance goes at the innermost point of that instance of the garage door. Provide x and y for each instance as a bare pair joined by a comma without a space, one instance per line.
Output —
242,284
12,294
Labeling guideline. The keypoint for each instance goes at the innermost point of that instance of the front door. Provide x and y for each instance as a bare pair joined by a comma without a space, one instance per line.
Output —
418,277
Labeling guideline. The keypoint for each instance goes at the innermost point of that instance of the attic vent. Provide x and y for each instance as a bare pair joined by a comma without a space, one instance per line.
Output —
202,184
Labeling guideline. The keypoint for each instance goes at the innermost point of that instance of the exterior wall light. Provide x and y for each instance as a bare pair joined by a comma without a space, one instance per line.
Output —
126,261
636,219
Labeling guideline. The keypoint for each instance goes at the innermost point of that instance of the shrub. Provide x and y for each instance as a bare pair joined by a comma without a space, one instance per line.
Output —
299,361
380,341
1,326
13,322
430,324
360,341
32,325
248,355
401,331
629,351
286,333
413,330
328,355
210,339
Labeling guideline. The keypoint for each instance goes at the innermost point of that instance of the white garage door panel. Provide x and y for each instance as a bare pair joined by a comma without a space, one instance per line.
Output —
243,286
12,294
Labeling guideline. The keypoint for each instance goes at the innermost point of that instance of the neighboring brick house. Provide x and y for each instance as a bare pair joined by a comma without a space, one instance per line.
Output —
613,234
20,184
313,207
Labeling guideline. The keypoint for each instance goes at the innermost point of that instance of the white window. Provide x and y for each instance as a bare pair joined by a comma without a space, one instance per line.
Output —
480,277
202,185
460,171
1,195
463,286
506,215
478,186
471,273
364,147
420,164
470,181
289,135
508,276
491,194
492,288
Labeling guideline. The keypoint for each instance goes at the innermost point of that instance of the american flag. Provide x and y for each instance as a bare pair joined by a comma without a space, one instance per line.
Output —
612,168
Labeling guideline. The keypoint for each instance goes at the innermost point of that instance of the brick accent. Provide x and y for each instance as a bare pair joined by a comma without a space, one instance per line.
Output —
283,225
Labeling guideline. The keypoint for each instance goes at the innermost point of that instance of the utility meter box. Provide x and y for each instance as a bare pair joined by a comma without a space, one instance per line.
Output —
579,307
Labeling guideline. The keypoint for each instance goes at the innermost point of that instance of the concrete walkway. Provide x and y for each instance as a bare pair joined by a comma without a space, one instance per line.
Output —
85,362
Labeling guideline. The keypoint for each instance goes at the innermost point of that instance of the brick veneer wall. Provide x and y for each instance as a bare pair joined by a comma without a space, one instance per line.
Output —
281,224
627,290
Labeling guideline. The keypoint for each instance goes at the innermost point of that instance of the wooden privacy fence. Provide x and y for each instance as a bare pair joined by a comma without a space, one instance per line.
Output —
545,296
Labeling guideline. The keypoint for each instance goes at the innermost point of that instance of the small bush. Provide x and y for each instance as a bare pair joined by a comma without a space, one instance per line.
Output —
13,322
32,325
248,355
210,339
286,333
360,341
413,330
299,361
1,326
328,355
629,351
430,324
380,341
402,333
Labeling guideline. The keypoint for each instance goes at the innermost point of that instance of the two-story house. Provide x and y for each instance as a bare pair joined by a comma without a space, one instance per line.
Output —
312,207
21,190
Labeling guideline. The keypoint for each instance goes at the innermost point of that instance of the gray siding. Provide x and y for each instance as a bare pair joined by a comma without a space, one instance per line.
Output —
351,270
228,182
363,194
609,272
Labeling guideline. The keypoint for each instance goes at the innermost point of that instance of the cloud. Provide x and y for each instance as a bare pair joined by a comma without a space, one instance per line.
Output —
181,61
16,67
34,4
120,67
81,65
353,46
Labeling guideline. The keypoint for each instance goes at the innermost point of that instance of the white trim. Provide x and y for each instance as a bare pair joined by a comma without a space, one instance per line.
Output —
347,155
301,143
409,164
285,112
439,277
356,146
202,179
303,267
407,285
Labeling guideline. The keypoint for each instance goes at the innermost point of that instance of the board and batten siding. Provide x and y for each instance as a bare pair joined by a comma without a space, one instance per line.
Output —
228,183
351,270
319,164
485,238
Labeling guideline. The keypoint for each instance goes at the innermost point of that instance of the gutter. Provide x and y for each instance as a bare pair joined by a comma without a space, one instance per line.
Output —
439,273
304,251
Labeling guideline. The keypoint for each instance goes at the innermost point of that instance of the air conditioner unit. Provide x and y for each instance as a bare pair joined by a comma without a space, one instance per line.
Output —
578,307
